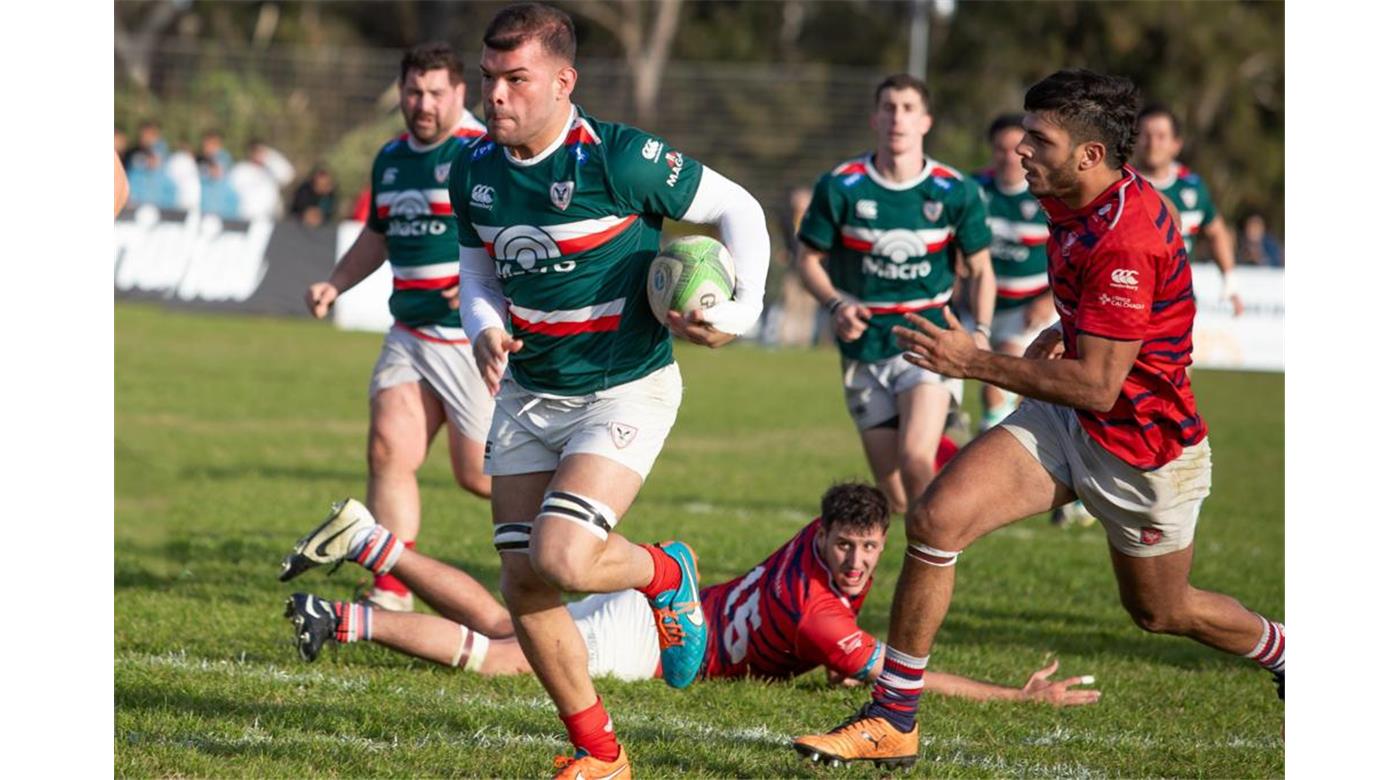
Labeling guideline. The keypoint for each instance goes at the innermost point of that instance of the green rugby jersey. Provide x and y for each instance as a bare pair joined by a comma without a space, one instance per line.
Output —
888,245
410,206
572,233
1192,199
1019,232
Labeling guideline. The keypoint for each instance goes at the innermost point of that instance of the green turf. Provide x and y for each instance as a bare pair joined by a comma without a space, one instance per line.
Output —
233,435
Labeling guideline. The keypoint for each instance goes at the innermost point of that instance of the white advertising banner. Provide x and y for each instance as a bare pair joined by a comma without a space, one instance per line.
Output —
1252,341
366,305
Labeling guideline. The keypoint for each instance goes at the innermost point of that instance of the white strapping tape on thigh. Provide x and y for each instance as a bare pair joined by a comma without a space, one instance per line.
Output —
513,537
591,514
932,555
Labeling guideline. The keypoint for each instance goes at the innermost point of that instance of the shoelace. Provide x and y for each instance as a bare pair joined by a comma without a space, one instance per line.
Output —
668,628
562,761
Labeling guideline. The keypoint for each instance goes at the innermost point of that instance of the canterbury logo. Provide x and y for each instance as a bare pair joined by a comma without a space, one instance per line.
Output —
483,195
1124,277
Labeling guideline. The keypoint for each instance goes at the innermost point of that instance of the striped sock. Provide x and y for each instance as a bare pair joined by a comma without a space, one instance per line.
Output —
378,551
897,689
353,622
1268,653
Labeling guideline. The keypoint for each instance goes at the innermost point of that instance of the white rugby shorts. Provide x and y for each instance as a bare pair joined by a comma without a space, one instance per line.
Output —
620,633
449,369
872,389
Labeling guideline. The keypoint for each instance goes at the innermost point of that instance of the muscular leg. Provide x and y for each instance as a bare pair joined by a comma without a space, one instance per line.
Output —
441,641
1158,596
882,453
468,461
993,482
453,593
923,410
403,420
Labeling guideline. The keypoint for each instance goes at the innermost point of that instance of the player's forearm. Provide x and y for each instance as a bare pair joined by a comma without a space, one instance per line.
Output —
369,251
483,301
1222,248
1063,382
967,688
983,284
744,230
814,277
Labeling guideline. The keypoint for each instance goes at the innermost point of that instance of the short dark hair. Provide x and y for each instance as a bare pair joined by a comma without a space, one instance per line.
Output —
1092,107
1160,109
855,505
1004,122
515,24
906,81
434,55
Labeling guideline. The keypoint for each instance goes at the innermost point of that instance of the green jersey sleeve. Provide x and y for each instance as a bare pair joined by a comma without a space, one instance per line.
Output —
648,176
971,231
459,190
818,228
375,222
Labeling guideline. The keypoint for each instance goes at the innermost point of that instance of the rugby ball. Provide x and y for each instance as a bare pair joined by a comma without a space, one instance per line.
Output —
691,272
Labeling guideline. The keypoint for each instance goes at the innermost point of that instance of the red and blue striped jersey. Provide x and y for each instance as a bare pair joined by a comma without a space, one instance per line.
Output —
786,617
1119,270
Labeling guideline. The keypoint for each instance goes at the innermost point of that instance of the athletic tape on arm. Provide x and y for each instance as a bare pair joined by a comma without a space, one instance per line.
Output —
483,302
744,230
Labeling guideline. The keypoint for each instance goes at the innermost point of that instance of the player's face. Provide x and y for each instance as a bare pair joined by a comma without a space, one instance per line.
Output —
431,104
1048,156
851,555
1005,160
524,90
1157,145
900,121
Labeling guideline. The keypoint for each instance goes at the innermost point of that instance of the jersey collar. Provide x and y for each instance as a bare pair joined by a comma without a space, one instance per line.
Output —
548,150
1173,173
413,144
897,186
1014,190
1116,192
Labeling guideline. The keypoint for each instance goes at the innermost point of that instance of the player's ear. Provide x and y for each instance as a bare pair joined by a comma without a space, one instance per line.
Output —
1091,153
927,124
564,82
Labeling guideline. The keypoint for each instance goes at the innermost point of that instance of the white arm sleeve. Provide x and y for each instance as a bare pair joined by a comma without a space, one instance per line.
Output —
744,230
482,300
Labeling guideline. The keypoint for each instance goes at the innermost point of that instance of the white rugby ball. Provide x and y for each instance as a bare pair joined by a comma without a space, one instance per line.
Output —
691,272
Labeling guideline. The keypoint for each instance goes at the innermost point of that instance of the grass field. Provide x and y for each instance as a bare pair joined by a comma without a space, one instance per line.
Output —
234,434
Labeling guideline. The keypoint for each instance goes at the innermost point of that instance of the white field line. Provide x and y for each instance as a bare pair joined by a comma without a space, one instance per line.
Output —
954,749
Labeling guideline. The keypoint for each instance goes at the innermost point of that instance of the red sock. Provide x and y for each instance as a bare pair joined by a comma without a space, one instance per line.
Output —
592,732
667,572
391,583
947,448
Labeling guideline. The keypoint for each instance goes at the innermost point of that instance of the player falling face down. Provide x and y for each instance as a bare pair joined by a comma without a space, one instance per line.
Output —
885,235
426,375
559,216
1109,416
794,611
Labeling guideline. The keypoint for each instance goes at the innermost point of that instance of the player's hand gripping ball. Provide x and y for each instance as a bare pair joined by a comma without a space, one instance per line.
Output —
691,272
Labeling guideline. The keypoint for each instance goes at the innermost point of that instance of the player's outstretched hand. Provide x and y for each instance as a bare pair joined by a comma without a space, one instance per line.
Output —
451,294
491,348
319,298
1049,345
1060,693
947,351
696,330
850,321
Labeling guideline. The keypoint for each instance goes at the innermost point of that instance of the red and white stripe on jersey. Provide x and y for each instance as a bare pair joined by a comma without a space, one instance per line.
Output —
863,239
438,334
437,202
904,307
435,276
571,238
1191,222
1024,233
600,318
1022,286
582,132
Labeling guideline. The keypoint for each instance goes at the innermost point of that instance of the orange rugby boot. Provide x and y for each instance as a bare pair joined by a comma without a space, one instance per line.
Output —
585,767
862,738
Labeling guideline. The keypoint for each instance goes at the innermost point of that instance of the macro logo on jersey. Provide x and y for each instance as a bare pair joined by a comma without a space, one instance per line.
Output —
1193,201
1020,231
785,617
890,245
413,208
1126,276
571,234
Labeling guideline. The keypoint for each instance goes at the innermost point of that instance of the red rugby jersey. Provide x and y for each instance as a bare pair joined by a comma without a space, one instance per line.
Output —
785,617
1119,270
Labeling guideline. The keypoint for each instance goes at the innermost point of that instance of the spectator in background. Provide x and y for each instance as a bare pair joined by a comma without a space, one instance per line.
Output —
1257,245
145,168
183,174
314,201
258,182
215,162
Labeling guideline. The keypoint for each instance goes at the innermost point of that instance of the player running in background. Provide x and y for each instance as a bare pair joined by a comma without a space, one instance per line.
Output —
1158,144
1019,231
425,374
1109,416
559,217
795,611
879,239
